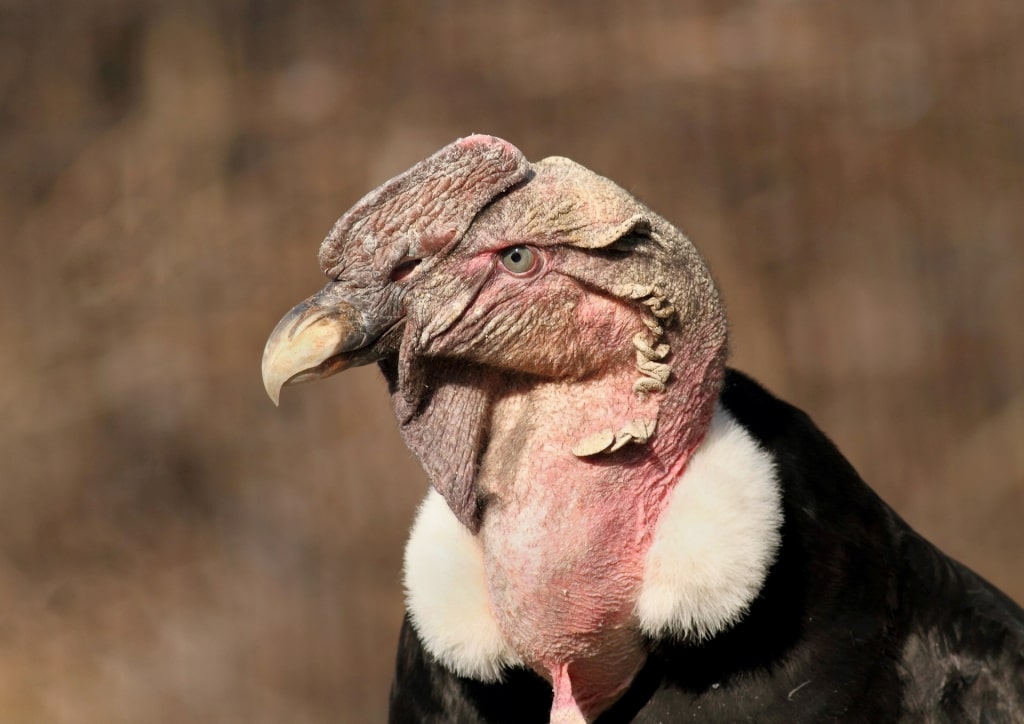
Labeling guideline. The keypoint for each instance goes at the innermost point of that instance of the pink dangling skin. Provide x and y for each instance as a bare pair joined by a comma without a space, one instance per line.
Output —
564,709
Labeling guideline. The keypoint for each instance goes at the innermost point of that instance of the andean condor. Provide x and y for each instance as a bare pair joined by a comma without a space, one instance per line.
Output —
620,527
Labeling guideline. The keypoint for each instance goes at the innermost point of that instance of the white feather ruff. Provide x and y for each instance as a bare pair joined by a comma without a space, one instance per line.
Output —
446,595
715,540
711,551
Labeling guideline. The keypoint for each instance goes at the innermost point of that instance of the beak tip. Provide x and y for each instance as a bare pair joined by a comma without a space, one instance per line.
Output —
305,345
271,383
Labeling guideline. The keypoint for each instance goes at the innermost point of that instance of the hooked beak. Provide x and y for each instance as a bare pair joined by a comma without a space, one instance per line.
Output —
317,338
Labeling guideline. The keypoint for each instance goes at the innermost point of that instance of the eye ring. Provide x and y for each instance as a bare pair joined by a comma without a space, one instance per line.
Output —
519,260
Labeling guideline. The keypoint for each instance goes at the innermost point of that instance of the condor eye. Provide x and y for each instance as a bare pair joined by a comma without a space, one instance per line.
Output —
518,259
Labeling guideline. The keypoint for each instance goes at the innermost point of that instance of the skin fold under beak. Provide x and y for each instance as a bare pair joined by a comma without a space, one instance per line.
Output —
316,339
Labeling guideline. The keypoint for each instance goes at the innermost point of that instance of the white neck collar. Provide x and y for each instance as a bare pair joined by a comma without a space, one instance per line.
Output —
709,556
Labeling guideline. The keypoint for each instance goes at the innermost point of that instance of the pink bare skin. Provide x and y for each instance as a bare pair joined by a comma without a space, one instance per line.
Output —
565,537
547,358
552,392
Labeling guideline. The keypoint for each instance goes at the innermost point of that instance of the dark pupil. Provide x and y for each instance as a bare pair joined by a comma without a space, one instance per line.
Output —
516,256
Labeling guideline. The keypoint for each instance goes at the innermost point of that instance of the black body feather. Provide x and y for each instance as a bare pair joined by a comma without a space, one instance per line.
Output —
860,620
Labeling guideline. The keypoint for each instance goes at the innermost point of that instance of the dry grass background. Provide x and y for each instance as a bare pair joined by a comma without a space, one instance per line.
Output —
175,549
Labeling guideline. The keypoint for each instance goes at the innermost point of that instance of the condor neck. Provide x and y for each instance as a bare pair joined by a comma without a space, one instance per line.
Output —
564,536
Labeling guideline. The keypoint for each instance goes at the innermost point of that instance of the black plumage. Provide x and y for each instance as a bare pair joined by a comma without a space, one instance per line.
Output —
860,620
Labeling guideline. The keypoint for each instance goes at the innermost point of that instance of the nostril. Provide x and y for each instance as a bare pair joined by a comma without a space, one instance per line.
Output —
404,268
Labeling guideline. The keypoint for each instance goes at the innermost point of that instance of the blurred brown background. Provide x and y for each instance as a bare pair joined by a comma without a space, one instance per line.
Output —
175,549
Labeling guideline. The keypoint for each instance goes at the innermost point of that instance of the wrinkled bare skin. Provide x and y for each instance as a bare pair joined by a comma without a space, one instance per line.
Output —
564,537
418,213
552,407
411,219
